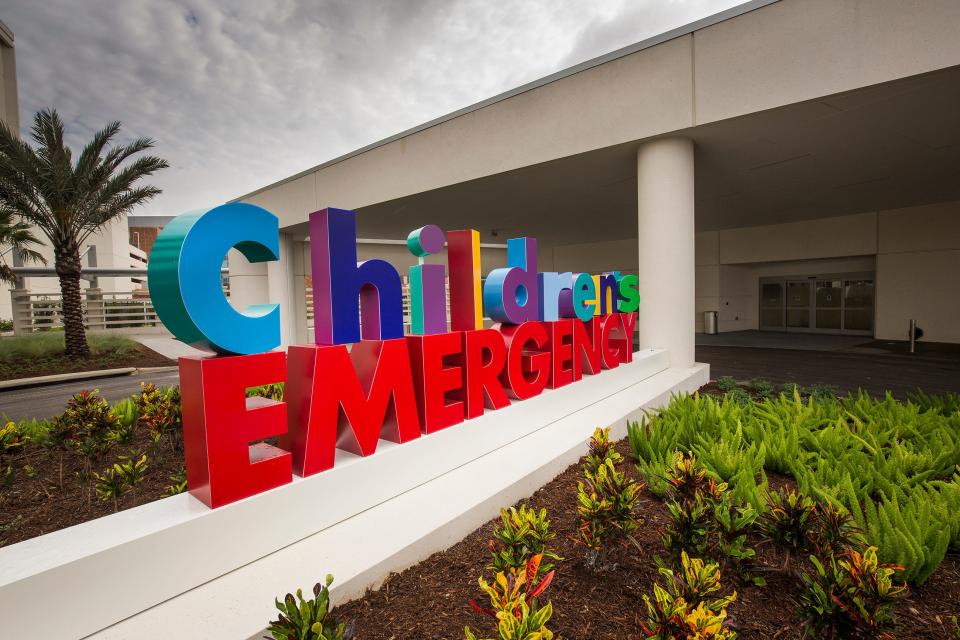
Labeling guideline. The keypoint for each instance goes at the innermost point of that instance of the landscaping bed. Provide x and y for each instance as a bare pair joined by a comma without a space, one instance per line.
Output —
60,472
887,471
42,354
430,600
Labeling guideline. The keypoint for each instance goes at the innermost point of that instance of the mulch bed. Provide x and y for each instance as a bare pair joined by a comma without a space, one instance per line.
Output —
32,506
29,367
429,601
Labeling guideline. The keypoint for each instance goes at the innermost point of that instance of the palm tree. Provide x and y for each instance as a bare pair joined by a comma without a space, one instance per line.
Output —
70,200
15,239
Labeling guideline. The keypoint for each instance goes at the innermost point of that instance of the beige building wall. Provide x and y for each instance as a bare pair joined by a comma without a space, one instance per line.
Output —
9,101
918,266
734,67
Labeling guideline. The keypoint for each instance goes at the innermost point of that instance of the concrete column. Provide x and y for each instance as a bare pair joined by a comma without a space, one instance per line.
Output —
20,310
285,284
666,242
96,314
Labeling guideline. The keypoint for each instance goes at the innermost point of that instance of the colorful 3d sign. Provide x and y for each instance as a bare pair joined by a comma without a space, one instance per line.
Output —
550,330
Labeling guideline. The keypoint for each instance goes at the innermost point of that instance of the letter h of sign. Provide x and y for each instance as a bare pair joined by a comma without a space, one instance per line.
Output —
347,294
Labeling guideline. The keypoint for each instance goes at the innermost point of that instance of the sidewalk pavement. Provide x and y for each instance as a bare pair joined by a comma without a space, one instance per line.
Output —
166,345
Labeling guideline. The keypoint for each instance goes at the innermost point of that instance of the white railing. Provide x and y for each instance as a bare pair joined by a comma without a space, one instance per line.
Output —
114,311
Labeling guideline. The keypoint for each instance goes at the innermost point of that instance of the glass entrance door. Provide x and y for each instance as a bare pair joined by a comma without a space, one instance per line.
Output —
771,305
798,304
829,299
842,303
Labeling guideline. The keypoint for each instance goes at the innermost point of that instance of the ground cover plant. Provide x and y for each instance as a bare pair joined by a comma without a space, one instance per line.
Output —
719,549
893,466
41,354
89,461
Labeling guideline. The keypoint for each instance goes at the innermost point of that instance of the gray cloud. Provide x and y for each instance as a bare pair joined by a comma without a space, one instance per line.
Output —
242,93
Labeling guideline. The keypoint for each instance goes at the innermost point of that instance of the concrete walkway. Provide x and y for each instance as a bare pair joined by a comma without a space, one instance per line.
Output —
781,340
47,401
166,345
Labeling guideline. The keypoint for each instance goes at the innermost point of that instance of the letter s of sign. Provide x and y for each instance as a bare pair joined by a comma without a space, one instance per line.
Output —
183,275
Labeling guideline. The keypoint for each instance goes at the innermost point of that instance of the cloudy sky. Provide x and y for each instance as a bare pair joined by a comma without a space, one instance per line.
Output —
240,93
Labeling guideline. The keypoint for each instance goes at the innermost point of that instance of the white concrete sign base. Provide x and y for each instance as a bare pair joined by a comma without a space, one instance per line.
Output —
174,568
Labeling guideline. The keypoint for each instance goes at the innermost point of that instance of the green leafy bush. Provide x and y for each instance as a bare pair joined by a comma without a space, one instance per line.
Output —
890,465
789,520
179,483
706,520
159,410
763,388
726,384
513,602
850,597
121,478
601,449
272,391
522,533
302,619
12,440
85,422
686,606
607,500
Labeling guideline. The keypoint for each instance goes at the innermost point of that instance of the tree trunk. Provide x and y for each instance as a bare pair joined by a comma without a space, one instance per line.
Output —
67,260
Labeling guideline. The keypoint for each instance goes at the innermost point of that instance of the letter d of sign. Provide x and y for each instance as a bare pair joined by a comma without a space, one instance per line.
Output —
183,275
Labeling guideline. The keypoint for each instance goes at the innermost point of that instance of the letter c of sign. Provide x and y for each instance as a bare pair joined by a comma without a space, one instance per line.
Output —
183,275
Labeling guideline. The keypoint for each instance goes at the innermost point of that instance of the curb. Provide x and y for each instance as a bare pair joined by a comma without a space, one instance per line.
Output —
65,377
164,369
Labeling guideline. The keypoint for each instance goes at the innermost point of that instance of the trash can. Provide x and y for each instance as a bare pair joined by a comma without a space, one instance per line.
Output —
710,322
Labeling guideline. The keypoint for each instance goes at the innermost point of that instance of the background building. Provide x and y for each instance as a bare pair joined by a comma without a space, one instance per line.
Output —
111,247
793,165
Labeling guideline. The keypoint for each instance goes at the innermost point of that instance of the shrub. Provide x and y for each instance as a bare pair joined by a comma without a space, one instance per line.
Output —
607,500
122,477
821,391
111,485
159,410
6,325
792,389
763,388
523,533
601,449
526,624
513,602
179,480
705,519
11,439
834,530
789,520
738,396
726,383
686,607
86,419
850,597
302,619
272,391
